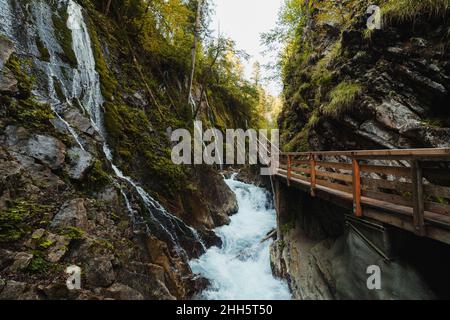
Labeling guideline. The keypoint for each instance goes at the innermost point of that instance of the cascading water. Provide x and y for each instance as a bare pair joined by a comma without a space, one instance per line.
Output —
80,84
241,268
162,223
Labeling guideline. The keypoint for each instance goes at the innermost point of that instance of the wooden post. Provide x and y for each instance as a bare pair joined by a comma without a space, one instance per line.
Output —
289,170
278,208
356,188
418,205
312,161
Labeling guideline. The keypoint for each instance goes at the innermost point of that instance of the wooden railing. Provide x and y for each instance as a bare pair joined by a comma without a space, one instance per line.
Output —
410,180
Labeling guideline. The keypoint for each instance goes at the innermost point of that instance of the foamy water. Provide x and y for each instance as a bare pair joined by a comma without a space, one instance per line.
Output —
241,268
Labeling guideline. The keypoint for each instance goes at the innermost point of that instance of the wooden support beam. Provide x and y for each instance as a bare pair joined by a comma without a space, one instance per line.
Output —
313,175
418,198
357,209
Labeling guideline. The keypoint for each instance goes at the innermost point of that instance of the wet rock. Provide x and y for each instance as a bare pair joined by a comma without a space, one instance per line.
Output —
210,238
109,195
424,83
58,248
395,50
46,149
419,42
99,272
35,237
199,283
6,258
120,291
72,214
14,135
395,115
21,261
59,291
15,290
6,49
80,161
8,83
175,269
78,121
372,130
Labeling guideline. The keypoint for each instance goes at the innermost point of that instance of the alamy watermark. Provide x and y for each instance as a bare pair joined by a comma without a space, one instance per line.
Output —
374,280
237,147
374,21
73,282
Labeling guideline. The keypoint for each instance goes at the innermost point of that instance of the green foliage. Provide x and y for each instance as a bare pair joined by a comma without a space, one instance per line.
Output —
410,10
38,264
342,98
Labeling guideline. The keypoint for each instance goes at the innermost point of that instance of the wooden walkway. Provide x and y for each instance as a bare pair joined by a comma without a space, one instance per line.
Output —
407,188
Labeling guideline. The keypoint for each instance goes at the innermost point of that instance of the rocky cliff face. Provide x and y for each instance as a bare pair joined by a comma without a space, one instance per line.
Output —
324,258
348,88
85,171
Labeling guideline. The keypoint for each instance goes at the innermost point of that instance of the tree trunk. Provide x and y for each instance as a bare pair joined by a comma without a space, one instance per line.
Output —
194,47
108,6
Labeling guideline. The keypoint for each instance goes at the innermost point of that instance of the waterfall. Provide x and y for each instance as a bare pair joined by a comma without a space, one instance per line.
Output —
7,16
240,269
81,84
87,87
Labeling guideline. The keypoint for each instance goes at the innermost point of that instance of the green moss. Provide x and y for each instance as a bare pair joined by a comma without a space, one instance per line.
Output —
64,37
20,217
30,114
342,98
285,228
73,233
115,217
45,55
19,68
103,243
97,177
12,225
108,82
38,264
434,122
45,244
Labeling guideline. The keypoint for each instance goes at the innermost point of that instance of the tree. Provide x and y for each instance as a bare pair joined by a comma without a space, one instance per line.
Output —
194,46
256,73
108,6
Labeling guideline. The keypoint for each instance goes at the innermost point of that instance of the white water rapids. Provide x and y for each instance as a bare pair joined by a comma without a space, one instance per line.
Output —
240,270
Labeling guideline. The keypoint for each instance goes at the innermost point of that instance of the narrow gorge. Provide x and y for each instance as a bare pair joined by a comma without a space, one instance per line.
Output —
92,93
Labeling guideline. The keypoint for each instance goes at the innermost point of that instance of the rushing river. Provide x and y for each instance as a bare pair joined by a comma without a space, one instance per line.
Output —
241,268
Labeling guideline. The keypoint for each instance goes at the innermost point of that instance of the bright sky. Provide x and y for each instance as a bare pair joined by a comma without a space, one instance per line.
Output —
244,21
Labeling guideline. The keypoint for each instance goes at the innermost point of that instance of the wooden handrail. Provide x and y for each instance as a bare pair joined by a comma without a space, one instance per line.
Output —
424,152
401,184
